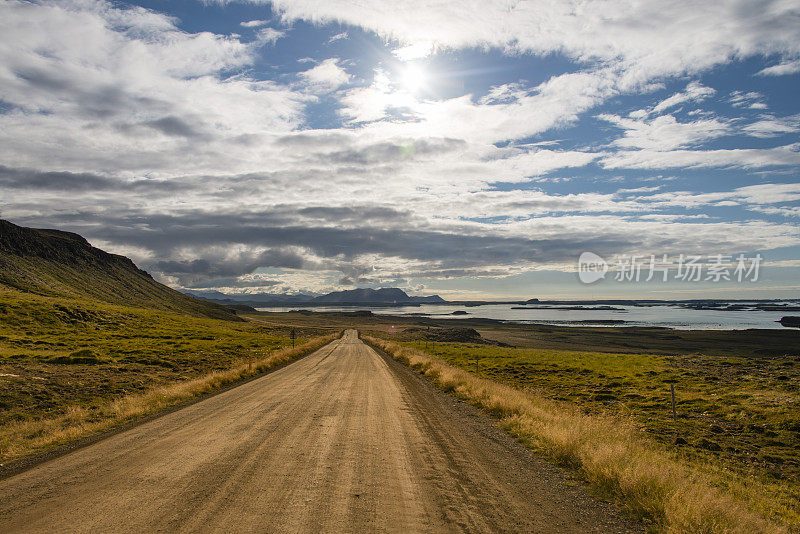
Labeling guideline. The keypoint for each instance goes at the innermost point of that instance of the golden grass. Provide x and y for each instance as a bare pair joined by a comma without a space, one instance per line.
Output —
617,459
21,438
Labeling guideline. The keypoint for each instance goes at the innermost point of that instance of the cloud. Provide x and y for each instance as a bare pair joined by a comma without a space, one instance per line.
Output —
245,223
97,81
269,35
173,126
648,39
248,281
413,51
749,100
771,126
633,43
781,69
253,23
521,113
523,165
752,195
162,144
33,180
784,211
745,158
338,37
410,251
327,76
694,92
665,132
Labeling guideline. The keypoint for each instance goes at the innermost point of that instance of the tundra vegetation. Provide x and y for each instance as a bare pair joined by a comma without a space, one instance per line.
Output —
729,462
72,367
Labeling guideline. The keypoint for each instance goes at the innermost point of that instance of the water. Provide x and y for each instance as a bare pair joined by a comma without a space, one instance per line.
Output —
663,316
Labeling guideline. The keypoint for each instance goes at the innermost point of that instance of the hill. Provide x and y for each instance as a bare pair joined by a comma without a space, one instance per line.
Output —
64,264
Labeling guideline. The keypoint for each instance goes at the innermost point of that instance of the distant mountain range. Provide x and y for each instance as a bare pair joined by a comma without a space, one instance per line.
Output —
389,296
63,264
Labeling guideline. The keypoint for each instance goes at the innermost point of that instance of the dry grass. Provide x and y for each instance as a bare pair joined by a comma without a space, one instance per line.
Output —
21,438
616,458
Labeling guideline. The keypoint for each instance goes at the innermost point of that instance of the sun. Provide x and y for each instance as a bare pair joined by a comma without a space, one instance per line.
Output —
412,78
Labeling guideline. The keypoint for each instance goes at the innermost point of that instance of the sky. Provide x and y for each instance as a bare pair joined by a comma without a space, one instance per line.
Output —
473,149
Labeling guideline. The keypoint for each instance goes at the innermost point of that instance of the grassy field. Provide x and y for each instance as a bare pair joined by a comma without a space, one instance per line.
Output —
678,490
69,361
738,419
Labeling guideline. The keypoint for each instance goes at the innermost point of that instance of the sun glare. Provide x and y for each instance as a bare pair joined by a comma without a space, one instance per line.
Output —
412,78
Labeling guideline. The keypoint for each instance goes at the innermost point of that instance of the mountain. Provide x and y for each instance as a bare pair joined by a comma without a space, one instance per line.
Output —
388,295
57,263
351,297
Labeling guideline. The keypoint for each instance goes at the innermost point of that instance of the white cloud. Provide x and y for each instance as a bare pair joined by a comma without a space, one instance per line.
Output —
327,76
694,92
552,104
85,79
648,39
749,158
665,132
269,35
338,36
771,126
531,164
789,211
781,69
749,100
413,51
753,195
254,23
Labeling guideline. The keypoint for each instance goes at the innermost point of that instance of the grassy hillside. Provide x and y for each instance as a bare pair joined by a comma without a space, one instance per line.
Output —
68,365
56,263
88,340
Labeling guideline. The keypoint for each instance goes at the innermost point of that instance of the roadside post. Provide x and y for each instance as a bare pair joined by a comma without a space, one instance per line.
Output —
293,336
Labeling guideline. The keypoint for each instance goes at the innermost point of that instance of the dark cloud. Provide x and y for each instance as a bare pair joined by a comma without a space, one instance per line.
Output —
13,178
58,181
226,266
44,79
386,152
447,254
304,141
173,126
99,101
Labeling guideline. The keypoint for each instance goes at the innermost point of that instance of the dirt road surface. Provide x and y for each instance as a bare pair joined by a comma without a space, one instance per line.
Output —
344,440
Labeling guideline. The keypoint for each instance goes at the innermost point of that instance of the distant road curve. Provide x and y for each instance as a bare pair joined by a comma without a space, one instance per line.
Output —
343,440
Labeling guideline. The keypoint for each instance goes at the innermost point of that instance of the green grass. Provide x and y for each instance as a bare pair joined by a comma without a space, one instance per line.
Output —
58,353
738,416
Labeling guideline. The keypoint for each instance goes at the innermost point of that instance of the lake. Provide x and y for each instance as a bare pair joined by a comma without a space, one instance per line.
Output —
664,316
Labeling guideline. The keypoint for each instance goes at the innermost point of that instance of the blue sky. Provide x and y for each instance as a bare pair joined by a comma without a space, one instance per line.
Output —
472,149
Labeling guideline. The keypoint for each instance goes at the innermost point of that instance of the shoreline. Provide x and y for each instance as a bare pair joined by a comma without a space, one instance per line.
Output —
612,320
